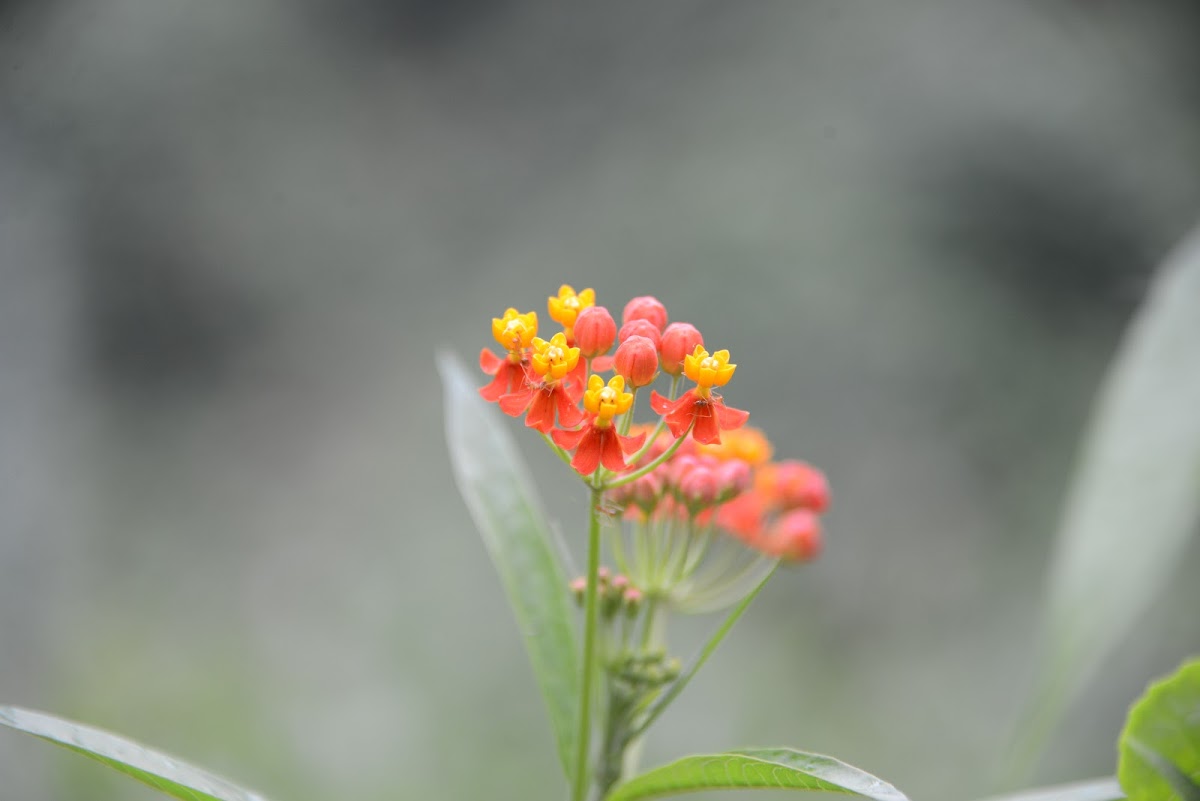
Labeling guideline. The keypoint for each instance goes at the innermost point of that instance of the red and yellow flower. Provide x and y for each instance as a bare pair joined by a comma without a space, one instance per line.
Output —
598,443
515,333
542,400
700,409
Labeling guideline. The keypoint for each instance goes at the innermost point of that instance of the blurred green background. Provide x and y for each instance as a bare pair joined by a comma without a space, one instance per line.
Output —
232,235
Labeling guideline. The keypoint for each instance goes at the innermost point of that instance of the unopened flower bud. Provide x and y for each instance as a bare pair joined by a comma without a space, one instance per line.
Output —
646,307
733,478
646,492
743,516
595,331
796,536
633,601
578,588
636,360
698,488
640,328
678,341
796,485
678,467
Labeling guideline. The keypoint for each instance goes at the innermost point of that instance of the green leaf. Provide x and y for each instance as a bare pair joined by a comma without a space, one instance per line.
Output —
756,768
164,773
1160,745
1134,499
1105,789
495,485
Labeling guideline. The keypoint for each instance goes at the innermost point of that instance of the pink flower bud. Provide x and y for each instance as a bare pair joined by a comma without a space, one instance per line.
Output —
595,331
636,360
646,491
678,341
698,487
733,478
646,308
633,600
679,466
796,536
798,485
640,328
743,517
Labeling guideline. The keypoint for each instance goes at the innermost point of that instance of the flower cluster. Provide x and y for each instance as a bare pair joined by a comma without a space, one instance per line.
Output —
698,464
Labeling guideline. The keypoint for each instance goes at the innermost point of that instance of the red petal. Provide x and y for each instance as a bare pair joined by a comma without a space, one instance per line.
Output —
705,430
661,405
602,364
631,444
567,439
490,362
587,458
497,387
683,412
577,378
729,418
541,411
569,415
515,403
610,450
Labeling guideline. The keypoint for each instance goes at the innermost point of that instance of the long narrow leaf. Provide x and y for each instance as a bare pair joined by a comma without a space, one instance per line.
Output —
1135,498
758,768
166,774
495,485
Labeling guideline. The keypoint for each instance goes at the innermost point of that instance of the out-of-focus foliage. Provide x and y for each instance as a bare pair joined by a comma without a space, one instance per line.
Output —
1134,503
496,488
166,774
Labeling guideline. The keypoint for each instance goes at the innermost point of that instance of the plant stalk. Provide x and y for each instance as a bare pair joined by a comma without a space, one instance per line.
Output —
579,789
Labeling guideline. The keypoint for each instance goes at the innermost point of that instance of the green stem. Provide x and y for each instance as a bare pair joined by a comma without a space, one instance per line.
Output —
626,478
627,418
589,649
662,426
650,622
566,457
680,683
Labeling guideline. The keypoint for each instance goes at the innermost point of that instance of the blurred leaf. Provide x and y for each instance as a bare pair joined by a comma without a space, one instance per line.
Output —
164,773
1105,789
1135,497
757,768
495,484
1160,745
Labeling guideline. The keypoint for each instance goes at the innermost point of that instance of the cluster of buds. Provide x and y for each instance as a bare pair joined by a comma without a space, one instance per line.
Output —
616,593
640,672
697,462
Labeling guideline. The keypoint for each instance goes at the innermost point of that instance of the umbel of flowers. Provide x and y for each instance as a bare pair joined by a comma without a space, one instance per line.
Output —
695,512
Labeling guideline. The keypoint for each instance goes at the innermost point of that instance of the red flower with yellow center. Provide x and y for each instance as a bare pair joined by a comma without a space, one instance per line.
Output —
565,308
700,408
598,442
543,399
515,332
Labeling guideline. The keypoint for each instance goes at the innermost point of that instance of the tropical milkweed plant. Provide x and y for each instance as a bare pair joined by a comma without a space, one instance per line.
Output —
687,513
692,511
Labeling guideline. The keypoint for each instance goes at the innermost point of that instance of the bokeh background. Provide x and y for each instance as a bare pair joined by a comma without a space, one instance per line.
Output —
233,234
